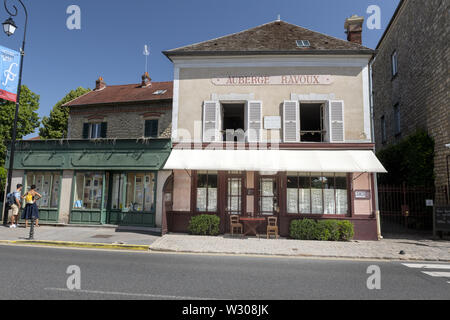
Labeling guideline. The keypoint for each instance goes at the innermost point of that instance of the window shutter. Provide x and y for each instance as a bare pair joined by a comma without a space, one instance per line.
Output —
211,114
254,121
86,131
291,121
336,115
103,130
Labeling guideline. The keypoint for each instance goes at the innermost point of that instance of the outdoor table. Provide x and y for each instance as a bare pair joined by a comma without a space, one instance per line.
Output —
252,224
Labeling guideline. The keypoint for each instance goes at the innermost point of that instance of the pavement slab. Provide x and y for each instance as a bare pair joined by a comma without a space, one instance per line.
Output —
421,250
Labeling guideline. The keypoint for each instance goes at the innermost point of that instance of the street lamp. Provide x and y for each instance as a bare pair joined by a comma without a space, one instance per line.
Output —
9,27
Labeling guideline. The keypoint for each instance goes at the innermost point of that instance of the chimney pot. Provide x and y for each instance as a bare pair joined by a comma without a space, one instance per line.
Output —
100,84
146,80
354,27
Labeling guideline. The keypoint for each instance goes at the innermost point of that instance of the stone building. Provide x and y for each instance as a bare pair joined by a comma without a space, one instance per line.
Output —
108,170
411,79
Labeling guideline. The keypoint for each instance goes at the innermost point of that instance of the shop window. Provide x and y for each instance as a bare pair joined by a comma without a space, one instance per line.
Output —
95,130
233,122
117,192
141,190
47,185
88,193
314,194
207,191
311,122
151,129
268,196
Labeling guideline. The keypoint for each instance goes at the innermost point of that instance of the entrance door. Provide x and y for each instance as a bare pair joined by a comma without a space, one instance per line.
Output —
235,203
268,204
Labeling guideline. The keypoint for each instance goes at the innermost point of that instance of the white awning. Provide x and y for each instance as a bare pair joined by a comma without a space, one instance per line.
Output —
275,160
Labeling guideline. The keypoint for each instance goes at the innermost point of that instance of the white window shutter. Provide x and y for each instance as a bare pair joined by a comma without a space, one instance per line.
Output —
211,121
254,121
291,121
336,115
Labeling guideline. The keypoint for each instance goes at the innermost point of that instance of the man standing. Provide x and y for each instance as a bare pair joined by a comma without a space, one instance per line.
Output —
14,202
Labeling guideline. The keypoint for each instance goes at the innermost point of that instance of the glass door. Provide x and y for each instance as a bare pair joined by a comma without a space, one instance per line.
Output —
268,196
234,196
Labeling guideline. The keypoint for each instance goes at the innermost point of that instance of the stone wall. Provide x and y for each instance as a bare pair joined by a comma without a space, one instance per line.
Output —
420,35
124,121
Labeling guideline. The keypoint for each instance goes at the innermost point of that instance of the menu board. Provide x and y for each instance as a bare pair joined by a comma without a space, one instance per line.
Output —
442,218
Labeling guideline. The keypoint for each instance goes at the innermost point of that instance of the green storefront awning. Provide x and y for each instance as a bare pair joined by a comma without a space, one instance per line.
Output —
103,154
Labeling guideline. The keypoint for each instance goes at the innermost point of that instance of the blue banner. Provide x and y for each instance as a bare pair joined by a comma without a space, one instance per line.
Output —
9,73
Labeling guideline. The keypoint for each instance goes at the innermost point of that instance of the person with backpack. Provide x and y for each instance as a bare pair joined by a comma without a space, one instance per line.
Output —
13,200
31,209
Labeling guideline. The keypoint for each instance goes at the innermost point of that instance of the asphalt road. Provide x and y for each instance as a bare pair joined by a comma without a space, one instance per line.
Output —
40,273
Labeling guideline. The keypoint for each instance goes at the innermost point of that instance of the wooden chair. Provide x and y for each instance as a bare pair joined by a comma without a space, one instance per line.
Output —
235,224
272,227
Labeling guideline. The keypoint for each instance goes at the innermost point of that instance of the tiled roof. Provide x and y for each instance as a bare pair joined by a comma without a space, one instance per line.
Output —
276,37
124,94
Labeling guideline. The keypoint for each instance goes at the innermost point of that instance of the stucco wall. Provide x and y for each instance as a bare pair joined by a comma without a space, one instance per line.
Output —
182,191
66,193
162,177
195,87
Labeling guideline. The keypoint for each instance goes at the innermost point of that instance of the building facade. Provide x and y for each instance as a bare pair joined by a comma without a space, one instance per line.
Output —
274,121
108,170
410,79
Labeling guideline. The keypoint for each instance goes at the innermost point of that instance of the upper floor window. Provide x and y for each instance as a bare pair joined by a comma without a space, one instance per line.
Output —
151,129
394,63
397,119
94,130
313,122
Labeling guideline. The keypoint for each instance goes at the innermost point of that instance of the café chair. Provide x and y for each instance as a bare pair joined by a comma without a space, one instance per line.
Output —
272,227
235,224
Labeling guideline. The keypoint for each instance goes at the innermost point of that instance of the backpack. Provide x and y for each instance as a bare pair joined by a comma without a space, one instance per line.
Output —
11,198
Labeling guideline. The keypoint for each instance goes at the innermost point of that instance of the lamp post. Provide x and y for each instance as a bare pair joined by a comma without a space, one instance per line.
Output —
9,27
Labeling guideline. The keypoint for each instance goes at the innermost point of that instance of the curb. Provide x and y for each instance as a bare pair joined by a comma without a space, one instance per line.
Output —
162,250
84,245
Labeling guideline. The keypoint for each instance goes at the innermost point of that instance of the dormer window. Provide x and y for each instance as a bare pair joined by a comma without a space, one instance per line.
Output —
303,43
159,92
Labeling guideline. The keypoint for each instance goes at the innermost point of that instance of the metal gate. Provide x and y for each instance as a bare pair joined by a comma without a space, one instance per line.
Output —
408,209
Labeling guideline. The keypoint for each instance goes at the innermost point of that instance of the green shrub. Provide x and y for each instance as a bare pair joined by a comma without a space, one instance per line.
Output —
323,230
303,229
346,230
204,225
332,226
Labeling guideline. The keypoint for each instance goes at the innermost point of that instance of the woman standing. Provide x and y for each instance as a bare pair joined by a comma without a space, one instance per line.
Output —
31,209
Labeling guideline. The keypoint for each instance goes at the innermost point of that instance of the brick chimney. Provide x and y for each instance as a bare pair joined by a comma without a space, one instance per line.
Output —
146,80
100,84
353,27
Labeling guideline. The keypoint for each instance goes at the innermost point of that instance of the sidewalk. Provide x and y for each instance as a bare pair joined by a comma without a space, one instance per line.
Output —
420,250
86,237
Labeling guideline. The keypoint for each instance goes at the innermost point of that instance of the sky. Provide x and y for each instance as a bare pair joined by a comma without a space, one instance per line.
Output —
111,40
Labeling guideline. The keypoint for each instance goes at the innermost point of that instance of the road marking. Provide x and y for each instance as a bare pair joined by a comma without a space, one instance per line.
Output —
438,274
129,294
427,266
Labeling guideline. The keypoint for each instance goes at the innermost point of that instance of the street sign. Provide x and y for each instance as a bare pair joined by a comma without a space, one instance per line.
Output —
9,73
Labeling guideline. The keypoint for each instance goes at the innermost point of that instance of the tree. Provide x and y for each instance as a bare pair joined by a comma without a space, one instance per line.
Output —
27,122
55,126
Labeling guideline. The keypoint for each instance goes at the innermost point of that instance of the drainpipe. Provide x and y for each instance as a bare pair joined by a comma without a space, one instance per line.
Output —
372,129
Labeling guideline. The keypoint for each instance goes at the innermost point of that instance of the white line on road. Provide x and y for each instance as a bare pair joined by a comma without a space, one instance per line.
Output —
427,266
438,274
129,294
